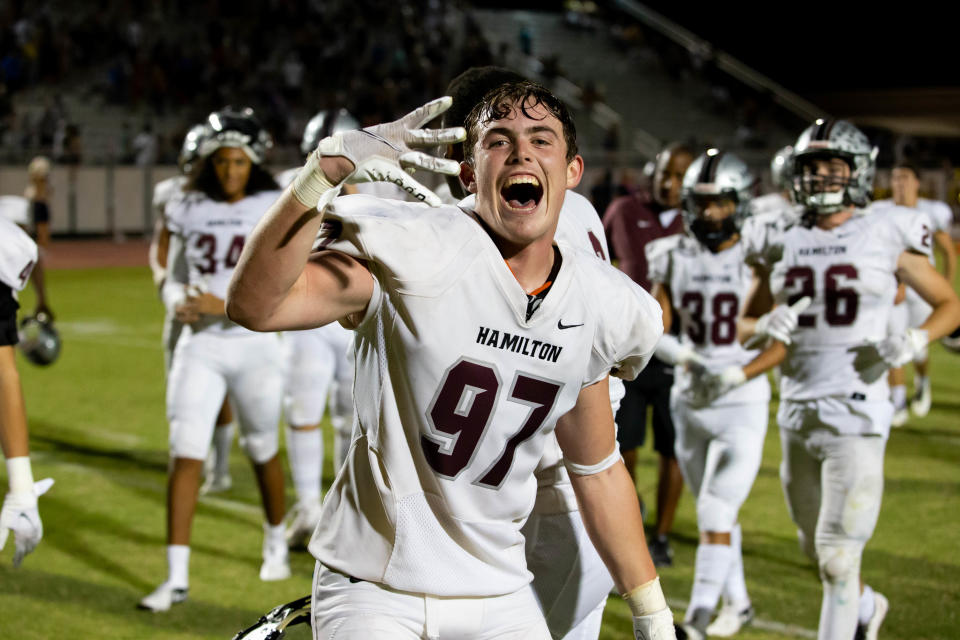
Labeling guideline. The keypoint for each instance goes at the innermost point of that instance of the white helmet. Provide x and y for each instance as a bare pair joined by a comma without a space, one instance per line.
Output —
326,123
190,149
827,138
716,174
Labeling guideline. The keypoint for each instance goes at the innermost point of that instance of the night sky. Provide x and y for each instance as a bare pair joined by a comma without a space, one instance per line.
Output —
832,46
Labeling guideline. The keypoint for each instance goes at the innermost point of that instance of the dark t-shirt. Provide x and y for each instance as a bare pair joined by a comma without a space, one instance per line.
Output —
41,213
631,222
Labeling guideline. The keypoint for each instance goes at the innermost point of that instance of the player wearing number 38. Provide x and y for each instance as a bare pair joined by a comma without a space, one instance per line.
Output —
208,225
476,336
835,408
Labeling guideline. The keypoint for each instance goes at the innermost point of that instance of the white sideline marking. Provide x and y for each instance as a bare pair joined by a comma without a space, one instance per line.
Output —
760,623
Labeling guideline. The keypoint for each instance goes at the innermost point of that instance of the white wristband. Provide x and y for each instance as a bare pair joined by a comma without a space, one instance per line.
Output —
20,475
591,469
646,599
311,184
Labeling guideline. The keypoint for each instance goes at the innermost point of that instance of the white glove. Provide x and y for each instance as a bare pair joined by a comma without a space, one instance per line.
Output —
711,386
778,323
383,153
656,626
670,350
20,515
898,350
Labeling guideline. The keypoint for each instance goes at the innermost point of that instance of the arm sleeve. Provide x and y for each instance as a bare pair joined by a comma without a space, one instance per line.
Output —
913,230
658,259
174,287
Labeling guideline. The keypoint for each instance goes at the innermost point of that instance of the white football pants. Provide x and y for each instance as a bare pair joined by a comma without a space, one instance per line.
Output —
344,609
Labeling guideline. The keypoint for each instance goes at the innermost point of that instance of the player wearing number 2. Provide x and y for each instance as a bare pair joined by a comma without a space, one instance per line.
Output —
835,410
208,226
719,403
476,337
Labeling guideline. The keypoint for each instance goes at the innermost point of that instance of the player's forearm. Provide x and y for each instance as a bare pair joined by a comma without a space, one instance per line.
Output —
267,288
945,244
611,514
769,358
944,318
13,420
38,279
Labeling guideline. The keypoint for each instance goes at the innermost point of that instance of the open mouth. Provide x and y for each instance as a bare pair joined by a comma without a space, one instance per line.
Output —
522,192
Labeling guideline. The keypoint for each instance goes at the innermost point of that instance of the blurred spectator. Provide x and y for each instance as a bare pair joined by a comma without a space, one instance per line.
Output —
145,146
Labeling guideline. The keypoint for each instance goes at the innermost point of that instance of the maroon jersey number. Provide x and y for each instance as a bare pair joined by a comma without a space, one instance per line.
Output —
463,407
725,308
207,243
840,303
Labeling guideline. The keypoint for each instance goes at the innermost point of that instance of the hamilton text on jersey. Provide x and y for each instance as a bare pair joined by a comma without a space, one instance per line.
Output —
518,344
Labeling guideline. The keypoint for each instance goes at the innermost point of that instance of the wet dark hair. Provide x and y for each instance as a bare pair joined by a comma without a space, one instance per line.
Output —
499,103
908,164
204,179
469,88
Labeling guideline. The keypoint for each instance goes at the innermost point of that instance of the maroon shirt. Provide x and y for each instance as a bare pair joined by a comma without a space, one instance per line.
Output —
630,222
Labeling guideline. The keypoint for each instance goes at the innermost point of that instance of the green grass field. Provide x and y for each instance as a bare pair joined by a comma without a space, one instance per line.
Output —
97,426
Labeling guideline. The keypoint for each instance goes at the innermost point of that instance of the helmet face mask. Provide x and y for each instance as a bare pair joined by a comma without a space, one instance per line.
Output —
819,155
717,189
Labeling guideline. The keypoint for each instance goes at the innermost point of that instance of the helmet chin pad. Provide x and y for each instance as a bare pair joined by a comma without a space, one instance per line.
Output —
712,235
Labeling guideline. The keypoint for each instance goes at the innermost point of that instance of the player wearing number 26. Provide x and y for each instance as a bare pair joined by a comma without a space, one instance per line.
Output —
835,410
208,223
476,337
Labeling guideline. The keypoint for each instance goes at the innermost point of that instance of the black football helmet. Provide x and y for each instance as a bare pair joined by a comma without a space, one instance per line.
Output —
231,127
273,625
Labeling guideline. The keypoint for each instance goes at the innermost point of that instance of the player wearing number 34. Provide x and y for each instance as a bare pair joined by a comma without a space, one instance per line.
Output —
476,336
835,410
208,224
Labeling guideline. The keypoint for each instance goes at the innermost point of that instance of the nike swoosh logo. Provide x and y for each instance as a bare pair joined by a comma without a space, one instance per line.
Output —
562,326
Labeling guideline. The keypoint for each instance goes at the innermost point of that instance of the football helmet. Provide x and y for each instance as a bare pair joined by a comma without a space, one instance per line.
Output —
326,123
273,625
232,127
39,340
716,175
780,168
828,138
190,149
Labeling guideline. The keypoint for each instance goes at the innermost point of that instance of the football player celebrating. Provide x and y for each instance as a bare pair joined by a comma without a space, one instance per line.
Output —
569,578
217,468
835,410
209,224
420,532
905,183
19,514
720,413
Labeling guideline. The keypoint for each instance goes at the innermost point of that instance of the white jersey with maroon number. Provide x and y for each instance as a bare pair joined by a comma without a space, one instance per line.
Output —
18,255
708,291
214,234
848,272
939,213
459,395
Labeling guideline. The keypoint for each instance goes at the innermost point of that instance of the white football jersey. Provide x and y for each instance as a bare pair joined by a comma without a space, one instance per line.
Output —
165,191
848,272
580,227
460,394
214,234
708,292
941,217
18,255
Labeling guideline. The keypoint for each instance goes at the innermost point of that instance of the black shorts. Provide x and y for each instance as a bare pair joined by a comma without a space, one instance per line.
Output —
8,316
651,388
